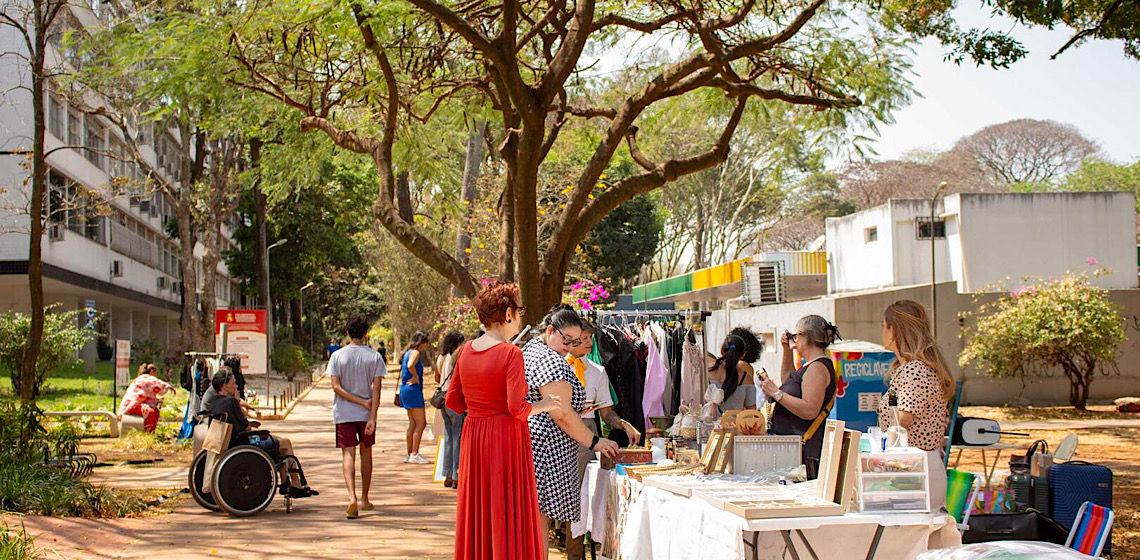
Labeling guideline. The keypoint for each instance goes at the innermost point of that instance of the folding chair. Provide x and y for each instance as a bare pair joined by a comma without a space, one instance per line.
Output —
1091,529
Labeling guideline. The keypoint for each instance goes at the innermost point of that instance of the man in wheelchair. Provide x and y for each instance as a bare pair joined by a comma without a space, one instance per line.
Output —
226,402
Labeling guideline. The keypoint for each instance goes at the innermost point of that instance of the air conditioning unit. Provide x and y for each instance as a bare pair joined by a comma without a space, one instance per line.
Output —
163,282
55,232
116,269
763,283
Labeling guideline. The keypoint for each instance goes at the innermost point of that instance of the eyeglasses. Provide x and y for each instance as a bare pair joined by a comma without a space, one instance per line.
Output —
570,342
792,337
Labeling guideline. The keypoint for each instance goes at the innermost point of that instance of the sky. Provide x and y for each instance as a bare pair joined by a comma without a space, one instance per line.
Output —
1091,86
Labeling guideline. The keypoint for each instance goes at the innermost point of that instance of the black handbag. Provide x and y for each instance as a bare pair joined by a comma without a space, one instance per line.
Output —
1027,526
439,398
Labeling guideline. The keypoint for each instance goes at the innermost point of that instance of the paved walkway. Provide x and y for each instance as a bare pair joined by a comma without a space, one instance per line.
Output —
414,518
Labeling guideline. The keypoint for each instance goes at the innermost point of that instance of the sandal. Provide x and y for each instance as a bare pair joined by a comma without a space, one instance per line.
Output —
353,512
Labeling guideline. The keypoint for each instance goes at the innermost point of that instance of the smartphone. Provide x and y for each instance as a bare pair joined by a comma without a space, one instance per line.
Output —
590,406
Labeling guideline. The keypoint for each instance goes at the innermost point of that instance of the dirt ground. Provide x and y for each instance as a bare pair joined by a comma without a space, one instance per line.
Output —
1115,448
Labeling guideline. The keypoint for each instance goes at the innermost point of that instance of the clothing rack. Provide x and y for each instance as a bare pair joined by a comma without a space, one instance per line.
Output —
603,313
216,355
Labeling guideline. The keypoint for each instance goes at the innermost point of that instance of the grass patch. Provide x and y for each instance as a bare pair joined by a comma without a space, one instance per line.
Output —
71,388
34,489
16,545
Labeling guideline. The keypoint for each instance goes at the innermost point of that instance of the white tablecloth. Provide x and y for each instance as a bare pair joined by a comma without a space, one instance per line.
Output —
660,525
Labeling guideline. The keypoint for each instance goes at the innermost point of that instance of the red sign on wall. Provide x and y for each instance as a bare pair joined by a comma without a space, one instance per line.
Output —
247,334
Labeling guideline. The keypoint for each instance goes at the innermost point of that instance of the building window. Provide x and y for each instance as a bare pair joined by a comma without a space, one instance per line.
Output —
57,116
871,234
96,143
74,129
923,229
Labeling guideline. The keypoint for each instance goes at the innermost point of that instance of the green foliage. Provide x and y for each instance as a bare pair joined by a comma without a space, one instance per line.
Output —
290,360
28,485
1094,175
625,241
63,337
1067,324
16,545
35,489
148,351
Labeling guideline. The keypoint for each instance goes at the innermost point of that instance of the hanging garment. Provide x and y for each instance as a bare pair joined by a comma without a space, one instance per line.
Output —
618,357
694,374
674,347
656,375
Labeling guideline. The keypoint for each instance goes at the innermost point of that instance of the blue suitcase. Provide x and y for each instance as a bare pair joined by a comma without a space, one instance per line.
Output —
1075,482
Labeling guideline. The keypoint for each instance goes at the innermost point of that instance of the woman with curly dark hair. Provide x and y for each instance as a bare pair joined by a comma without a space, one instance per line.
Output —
738,352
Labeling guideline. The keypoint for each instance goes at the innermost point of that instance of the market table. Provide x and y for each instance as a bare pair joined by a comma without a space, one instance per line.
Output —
637,522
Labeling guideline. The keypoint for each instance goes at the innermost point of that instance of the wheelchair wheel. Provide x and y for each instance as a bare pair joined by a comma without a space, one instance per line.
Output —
245,481
197,475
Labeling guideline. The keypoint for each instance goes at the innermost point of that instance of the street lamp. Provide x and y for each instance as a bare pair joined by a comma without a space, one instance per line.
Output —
302,318
269,316
933,259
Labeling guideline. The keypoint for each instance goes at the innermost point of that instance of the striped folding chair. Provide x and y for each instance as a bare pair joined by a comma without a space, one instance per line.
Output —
1091,529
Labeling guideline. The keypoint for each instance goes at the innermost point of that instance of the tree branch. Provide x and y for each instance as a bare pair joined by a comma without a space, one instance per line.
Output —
1108,13
456,22
793,98
631,139
642,26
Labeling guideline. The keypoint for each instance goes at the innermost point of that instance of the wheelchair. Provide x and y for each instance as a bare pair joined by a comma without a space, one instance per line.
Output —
245,475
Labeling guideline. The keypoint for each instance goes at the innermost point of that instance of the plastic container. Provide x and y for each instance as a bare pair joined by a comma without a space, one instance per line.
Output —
894,481
658,449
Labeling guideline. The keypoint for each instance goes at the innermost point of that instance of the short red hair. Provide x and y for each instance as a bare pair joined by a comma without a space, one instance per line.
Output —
493,301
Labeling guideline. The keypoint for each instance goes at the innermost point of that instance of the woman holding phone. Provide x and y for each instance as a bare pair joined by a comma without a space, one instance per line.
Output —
599,404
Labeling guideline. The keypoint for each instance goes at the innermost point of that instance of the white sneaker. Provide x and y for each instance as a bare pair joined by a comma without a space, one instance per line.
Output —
408,459
419,459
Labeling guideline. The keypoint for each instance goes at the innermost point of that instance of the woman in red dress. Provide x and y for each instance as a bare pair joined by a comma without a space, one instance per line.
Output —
497,517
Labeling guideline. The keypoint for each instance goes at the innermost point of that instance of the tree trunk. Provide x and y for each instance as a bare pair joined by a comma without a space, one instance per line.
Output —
472,168
35,241
506,213
404,198
191,333
298,321
261,242
522,175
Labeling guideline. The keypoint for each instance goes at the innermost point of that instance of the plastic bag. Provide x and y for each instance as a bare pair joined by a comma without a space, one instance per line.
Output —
1005,550
710,412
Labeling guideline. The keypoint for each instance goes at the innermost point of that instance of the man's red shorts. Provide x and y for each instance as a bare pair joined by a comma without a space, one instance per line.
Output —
351,434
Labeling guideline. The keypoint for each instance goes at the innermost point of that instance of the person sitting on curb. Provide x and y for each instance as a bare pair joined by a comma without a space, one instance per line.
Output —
226,402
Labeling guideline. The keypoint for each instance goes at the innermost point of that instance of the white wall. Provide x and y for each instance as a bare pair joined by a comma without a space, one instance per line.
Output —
768,322
1046,234
912,255
855,264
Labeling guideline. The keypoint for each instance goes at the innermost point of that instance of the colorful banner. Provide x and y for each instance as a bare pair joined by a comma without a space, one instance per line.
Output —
861,368
248,335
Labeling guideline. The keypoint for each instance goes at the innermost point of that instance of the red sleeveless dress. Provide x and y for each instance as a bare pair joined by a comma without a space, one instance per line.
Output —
497,515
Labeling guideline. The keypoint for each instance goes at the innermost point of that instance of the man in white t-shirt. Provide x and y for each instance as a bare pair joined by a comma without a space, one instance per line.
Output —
599,399
357,373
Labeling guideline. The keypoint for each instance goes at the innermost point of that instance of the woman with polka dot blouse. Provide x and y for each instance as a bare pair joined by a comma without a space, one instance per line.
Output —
921,385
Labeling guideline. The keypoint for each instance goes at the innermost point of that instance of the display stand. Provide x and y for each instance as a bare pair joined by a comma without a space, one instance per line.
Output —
894,482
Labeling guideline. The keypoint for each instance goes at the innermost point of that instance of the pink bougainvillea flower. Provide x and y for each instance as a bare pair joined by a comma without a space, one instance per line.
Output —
1092,261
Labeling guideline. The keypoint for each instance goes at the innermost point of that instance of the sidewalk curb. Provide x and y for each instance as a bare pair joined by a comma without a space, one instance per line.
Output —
285,412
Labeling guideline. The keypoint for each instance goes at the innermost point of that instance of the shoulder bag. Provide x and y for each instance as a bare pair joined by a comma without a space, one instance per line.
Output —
439,398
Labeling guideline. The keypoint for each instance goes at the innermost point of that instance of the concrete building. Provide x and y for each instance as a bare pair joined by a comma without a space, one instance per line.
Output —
982,239
882,255
109,252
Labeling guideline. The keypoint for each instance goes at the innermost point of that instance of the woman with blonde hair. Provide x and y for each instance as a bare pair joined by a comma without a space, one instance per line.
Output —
920,386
